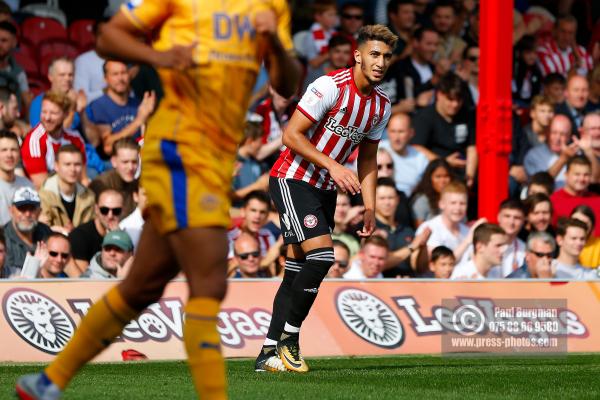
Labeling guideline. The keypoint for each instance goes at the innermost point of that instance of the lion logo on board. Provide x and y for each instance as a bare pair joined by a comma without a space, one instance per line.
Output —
370,318
38,320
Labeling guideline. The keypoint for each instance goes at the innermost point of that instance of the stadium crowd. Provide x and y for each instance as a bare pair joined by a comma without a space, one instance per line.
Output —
72,127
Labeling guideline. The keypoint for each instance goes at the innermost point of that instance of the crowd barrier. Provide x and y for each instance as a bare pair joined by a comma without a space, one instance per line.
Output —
349,317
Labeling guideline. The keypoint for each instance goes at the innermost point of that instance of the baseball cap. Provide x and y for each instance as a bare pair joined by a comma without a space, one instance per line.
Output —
119,239
25,196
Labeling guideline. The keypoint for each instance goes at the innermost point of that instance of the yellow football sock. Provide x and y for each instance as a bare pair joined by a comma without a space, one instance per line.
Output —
203,346
104,321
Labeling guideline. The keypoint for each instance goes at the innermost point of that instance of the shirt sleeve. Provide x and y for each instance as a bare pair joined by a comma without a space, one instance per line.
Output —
319,98
23,83
146,14
32,164
377,131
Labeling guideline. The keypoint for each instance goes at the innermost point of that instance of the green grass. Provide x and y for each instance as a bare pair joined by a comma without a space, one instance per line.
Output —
403,377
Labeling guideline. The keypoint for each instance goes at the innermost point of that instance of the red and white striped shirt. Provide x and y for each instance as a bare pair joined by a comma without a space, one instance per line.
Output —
552,59
39,149
343,117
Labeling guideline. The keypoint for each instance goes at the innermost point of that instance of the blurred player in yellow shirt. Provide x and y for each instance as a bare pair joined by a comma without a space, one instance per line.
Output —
208,54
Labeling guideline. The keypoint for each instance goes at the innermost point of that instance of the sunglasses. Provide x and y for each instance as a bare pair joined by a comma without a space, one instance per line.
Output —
341,264
245,256
352,16
382,166
115,211
64,256
542,255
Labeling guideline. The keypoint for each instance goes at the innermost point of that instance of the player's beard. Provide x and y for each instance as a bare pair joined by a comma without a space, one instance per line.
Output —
364,71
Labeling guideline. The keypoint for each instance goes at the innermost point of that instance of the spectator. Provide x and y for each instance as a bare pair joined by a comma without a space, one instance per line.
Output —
540,182
594,96
448,228
113,260
590,255
409,82
590,135
255,211
345,216
247,257
11,73
86,239
370,261
409,164
471,35
41,144
401,17
553,86
352,18
23,231
441,263
315,44
65,202
122,178
426,196
511,218
489,241
402,244
134,222
9,114
451,46
60,74
541,113
561,53
576,102
116,114
538,257
575,192
385,164
53,254
9,181
276,111
469,70
527,77
339,52
89,76
3,273
538,208
552,155
571,237
342,258
248,168
446,129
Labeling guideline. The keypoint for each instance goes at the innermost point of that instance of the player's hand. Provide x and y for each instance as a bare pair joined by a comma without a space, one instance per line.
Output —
369,224
265,22
177,57
345,179
456,161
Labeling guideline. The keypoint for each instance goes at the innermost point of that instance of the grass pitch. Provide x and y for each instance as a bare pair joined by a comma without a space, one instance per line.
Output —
402,377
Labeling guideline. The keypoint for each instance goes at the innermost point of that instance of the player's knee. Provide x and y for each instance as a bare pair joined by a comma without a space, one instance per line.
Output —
318,262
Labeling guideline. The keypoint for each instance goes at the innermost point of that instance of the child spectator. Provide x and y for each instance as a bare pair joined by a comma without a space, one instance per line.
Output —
441,263
426,196
315,45
553,86
527,77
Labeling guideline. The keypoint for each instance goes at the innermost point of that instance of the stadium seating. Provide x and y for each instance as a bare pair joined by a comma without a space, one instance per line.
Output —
54,48
37,84
38,29
81,33
26,57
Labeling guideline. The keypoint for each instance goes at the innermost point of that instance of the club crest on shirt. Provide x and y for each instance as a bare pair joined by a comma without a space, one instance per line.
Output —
310,221
375,119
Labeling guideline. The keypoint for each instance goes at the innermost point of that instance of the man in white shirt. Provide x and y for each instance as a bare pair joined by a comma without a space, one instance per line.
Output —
511,218
371,259
571,235
489,244
134,222
448,228
9,181
409,164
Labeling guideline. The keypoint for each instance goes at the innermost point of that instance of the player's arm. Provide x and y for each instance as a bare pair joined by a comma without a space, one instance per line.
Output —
295,138
120,39
284,71
367,175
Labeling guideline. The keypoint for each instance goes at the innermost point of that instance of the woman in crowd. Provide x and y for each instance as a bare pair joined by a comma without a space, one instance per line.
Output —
426,196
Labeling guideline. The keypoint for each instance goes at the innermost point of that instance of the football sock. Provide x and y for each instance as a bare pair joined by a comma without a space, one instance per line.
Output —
306,285
203,346
281,303
104,321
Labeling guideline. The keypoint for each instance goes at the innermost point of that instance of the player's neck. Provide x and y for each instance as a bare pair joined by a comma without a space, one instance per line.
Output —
361,82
